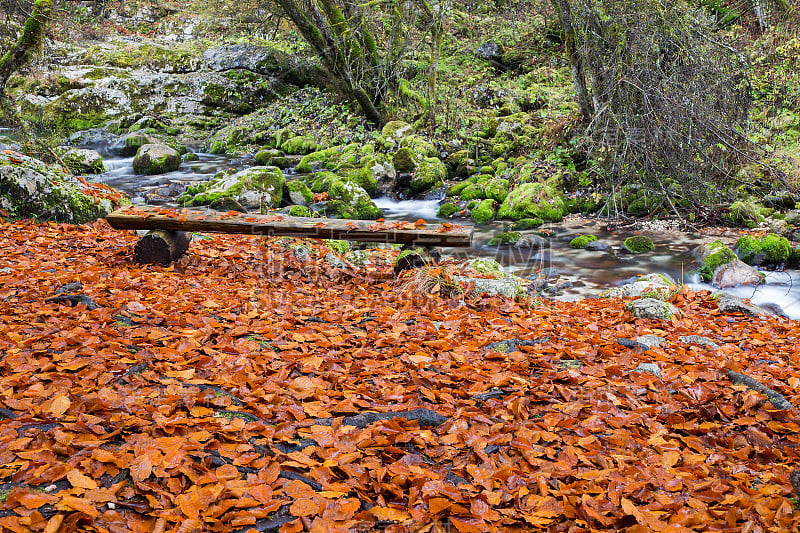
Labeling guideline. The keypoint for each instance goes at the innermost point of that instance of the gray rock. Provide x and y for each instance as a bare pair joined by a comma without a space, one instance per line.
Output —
490,51
650,283
128,145
244,56
253,188
698,339
596,246
652,308
302,253
729,303
81,160
652,368
533,242
735,273
508,287
650,340
336,261
156,159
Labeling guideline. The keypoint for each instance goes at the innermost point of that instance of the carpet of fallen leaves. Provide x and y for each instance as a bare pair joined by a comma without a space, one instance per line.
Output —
221,394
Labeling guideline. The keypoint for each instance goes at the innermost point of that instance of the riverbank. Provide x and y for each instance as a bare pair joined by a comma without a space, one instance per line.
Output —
227,388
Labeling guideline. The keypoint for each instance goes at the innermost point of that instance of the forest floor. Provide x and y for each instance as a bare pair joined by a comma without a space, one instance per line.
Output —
233,390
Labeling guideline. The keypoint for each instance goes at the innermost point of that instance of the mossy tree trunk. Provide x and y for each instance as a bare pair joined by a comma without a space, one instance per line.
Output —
346,47
28,43
575,60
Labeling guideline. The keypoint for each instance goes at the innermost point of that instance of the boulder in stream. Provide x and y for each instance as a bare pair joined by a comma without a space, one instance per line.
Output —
156,159
253,188
81,160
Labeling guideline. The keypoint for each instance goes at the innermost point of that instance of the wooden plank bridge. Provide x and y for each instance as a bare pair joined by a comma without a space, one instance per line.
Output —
169,223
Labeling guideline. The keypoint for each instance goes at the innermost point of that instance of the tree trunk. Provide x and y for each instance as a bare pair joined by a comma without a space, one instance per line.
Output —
161,247
575,61
29,42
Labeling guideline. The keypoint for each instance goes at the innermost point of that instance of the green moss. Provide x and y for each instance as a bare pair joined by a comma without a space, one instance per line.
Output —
483,212
447,210
639,244
339,246
430,173
776,249
297,192
315,159
533,200
300,211
301,144
581,241
527,223
507,237
720,255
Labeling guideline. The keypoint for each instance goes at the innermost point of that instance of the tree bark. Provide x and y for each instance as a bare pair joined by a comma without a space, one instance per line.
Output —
575,61
29,42
161,247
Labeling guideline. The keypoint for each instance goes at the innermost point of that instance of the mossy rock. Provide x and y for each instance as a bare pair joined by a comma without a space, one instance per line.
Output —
393,133
346,199
526,223
300,211
581,241
271,157
156,159
300,145
507,237
404,160
315,160
447,210
533,200
297,193
639,244
30,188
419,146
430,173
81,161
255,188
483,212
775,249
720,255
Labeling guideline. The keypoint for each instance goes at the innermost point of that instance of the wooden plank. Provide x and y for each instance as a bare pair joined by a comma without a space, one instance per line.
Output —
153,217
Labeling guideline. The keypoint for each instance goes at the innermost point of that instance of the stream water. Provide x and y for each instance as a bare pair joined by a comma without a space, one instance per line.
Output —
581,273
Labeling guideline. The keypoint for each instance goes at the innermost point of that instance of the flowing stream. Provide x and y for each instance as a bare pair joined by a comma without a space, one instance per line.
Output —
581,273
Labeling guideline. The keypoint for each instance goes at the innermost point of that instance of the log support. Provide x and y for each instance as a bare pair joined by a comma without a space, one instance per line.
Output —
161,247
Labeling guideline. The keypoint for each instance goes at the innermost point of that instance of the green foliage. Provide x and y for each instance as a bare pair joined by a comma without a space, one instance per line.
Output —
744,213
527,223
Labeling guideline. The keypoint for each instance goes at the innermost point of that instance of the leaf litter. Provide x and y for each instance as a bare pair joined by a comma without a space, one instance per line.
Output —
241,389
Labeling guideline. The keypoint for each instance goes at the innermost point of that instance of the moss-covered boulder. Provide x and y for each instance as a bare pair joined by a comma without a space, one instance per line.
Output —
533,200
711,256
31,188
430,173
254,188
638,244
581,241
297,193
483,212
300,145
272,157
393,133
80,160
526,223
770,248
156,159
447,210
346,199
300,211
505,238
